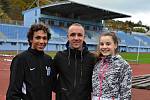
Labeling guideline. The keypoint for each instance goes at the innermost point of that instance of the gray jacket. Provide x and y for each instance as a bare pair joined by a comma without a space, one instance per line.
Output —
115,78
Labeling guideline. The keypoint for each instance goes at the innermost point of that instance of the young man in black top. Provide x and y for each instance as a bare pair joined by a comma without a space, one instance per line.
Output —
74,67
32,76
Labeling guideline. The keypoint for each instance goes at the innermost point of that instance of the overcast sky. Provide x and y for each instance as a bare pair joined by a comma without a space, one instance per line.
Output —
138,9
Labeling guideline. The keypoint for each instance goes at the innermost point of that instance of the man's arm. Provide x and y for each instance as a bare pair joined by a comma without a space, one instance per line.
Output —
14,91
55,65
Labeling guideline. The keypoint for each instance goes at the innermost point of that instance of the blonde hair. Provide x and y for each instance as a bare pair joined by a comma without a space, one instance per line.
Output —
76,24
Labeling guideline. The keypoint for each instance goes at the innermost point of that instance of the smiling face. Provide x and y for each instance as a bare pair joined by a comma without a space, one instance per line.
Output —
39,40
76,36
107,45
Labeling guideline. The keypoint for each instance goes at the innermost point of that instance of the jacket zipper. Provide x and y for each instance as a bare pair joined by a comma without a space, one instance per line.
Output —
75,70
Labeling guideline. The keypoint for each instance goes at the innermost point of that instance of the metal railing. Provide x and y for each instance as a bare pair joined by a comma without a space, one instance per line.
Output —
12,22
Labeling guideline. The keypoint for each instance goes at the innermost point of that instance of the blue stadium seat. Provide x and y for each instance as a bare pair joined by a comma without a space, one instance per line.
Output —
128,39
59,31
144,38
14,31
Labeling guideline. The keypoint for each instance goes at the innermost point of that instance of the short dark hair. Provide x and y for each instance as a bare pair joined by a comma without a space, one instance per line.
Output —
76,24
35,28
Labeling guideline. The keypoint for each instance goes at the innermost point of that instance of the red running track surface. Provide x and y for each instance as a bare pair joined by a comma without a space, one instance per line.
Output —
137,94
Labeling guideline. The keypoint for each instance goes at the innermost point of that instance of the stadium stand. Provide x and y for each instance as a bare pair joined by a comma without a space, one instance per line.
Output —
58,16
129,39
144,38
11,31
58,30
2,35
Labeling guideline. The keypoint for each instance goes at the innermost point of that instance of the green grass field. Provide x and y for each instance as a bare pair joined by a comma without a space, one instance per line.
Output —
144,58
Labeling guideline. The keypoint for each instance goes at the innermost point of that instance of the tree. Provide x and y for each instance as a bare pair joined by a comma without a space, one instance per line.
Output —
139,22
4,15
5,5
5,9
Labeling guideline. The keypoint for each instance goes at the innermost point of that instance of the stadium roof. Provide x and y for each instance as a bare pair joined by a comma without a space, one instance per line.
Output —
82,11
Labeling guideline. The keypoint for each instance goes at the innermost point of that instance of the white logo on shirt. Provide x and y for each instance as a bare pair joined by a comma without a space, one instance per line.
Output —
32,69
48,70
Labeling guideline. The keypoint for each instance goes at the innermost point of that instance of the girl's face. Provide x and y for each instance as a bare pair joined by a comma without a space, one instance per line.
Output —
107,45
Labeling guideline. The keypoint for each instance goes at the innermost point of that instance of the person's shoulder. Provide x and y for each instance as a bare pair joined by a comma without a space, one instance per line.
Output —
125,66
59,53
21,56
91,54
47,56
122,61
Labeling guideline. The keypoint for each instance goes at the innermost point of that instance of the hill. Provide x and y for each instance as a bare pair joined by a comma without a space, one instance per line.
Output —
12,9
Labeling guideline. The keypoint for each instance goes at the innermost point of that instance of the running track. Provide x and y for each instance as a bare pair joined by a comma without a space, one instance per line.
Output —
137,94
